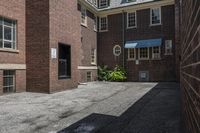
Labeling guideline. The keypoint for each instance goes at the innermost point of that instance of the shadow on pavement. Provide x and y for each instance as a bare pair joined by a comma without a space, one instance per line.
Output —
159,111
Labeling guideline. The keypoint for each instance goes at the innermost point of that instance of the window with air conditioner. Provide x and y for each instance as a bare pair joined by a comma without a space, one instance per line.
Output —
155,16
168,47
156,52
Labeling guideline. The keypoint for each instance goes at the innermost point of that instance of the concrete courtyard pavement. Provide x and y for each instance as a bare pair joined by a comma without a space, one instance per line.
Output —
49,113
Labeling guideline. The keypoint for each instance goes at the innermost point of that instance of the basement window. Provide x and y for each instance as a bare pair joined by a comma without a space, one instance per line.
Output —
89,76
64,62
8,81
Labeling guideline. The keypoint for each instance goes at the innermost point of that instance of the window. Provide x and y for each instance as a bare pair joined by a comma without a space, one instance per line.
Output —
94,2
8,81
168,47
95,23
89,76
83,16
103,24
117,50
64,62
143,53
103,3
131,20
93,56
131,53
156,52
7,33
130,0
155,16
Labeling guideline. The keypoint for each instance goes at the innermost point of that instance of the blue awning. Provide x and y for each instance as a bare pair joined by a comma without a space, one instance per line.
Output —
143,43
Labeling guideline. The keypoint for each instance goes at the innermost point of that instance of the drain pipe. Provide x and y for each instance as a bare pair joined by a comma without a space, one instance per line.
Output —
123,37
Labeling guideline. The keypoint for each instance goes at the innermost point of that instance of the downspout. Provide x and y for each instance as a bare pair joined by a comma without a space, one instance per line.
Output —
123,38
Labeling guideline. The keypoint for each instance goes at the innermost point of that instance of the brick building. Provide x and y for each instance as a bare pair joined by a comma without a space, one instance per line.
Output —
52,42
190,62
138,35
12,46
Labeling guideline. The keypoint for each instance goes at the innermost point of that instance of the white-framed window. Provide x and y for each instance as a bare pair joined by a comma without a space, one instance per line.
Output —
94,2
168,47
95,23
156,52
103,24
7,33
131,20
117,50
130,0
8,81
83,16
155,16
131,54
143,53
93,57
103,3
89,76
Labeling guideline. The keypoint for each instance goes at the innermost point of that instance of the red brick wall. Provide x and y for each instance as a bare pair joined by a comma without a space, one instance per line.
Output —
1,82
64,28
20,76
15,10
190,64
159,70
89,42
37,45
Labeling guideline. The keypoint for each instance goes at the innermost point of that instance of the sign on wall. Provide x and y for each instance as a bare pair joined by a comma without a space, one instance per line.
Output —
53,53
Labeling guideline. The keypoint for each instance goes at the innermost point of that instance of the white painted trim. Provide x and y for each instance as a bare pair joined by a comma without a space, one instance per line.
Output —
103,6
85,12
87,67
160,12
12,66
115,48
159,54
136,7
127,27
143,58
130,59
100,24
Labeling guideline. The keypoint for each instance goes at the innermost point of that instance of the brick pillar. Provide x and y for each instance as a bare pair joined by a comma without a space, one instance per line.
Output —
1,82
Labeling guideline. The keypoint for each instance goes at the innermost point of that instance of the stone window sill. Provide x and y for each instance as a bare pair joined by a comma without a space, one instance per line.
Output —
9,50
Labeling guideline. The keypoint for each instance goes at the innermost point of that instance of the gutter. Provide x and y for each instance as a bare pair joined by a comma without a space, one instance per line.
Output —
123,37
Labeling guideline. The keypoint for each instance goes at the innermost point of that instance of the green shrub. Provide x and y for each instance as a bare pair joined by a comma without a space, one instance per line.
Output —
118,74
105,74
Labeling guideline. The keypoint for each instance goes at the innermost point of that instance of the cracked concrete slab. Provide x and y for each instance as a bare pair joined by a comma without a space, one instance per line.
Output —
43,113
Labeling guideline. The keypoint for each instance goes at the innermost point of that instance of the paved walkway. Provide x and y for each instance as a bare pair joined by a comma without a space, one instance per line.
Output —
99,107
156,112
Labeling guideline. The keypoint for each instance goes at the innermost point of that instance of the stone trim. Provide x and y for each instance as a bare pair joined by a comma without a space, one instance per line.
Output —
12,66
87,67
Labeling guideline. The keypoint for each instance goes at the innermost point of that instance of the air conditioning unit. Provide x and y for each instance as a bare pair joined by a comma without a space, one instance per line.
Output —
143,76
156,56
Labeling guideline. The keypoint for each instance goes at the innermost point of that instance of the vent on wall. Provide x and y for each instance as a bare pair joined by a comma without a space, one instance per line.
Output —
144,76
